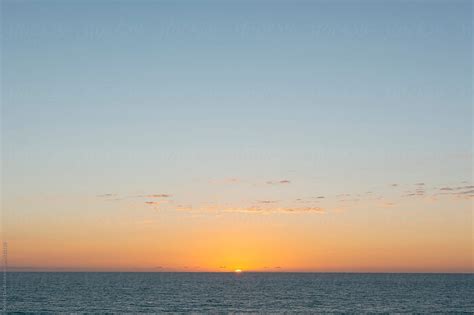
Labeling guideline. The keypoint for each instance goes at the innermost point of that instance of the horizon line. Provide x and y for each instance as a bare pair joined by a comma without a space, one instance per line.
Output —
243,272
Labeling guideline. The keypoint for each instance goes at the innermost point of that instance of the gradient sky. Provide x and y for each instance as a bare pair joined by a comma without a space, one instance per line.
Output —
263,135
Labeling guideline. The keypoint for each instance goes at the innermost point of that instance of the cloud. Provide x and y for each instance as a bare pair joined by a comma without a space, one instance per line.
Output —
277,210
158,196
302,209
283,181
349,200
446,189
152,196
465,194
153,203
250,209
460,191
466,187
418,191
109,197
230,180
186,208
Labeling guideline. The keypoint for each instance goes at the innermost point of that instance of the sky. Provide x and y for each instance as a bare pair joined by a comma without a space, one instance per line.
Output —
219,135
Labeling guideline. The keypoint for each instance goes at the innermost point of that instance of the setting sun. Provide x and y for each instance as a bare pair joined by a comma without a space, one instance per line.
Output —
237,271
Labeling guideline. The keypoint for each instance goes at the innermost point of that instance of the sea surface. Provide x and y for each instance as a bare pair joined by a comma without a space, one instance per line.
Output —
245,292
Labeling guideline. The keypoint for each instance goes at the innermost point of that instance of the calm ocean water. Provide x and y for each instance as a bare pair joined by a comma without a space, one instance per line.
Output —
246,292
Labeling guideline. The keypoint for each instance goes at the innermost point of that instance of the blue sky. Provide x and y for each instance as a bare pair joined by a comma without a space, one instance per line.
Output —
254,84
185,97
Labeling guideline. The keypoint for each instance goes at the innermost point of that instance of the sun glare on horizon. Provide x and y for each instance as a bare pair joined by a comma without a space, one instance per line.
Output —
238,271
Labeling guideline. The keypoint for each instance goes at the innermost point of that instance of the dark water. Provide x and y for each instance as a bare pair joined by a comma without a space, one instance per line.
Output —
247,292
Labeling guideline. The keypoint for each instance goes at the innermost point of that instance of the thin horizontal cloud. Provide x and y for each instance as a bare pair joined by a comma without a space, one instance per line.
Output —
267,201
152,196
153,203
283,181
457,188
300,200
108,196
415,193
349,200
459,194
303,209
276,210
158,196
310,204
230,180
422,191
251,209
186,208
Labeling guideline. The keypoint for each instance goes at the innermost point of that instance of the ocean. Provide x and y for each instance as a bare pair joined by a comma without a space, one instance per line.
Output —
245,292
